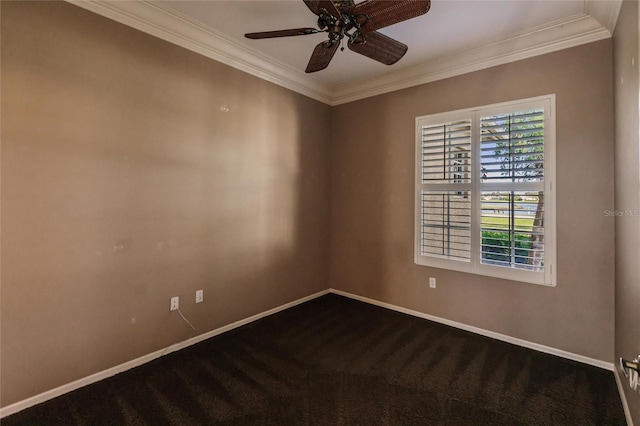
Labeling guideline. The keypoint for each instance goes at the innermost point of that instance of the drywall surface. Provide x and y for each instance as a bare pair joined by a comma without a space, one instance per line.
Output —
134,171
372,216
626,54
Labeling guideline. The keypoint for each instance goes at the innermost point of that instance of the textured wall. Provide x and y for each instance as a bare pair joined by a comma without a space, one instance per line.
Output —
124,183
626,53
372,186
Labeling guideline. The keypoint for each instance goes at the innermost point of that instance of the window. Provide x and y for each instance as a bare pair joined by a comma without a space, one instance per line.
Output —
485,200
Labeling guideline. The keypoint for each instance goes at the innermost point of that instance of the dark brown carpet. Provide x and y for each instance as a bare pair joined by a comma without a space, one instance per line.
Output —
336,361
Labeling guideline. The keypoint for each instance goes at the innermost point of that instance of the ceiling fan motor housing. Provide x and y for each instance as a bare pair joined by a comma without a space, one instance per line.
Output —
323,22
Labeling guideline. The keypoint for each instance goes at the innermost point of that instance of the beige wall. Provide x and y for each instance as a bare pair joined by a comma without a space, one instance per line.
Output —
626,53
123,184
373,203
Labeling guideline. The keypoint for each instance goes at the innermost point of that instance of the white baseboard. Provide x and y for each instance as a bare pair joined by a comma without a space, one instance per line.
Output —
509,339
50,394
623,396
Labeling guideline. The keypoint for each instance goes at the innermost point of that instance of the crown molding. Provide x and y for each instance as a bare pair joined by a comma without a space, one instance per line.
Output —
570,32
606,12
595,24
169,25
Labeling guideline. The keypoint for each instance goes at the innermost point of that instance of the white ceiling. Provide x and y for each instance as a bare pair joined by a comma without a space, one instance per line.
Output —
454,37
449,27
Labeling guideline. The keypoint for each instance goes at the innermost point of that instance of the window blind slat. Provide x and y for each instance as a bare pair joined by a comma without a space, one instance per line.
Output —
512,147
512,229
446,224
446,152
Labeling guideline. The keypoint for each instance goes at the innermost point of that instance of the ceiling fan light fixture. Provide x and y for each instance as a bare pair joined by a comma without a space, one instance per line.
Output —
339,17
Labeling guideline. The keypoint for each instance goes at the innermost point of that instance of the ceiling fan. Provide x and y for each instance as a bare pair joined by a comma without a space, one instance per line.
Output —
358,22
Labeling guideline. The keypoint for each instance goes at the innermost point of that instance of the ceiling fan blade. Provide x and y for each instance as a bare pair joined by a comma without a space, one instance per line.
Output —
379,47
382,13
313,5
322,55
282,33
318,6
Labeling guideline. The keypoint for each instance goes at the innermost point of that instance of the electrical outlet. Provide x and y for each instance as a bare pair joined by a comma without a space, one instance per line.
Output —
175,303
199,296
432,282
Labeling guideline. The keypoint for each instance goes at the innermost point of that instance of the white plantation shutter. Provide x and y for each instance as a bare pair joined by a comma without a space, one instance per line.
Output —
511,229
512,221
512,147
484,199
446,152
446,224
445,170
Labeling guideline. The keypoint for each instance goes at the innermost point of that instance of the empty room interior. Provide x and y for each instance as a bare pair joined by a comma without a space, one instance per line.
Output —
356,232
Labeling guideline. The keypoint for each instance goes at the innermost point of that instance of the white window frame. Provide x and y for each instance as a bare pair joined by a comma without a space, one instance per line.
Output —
474,266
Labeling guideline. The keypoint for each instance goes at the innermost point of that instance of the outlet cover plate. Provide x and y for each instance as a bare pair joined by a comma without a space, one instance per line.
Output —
175,303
